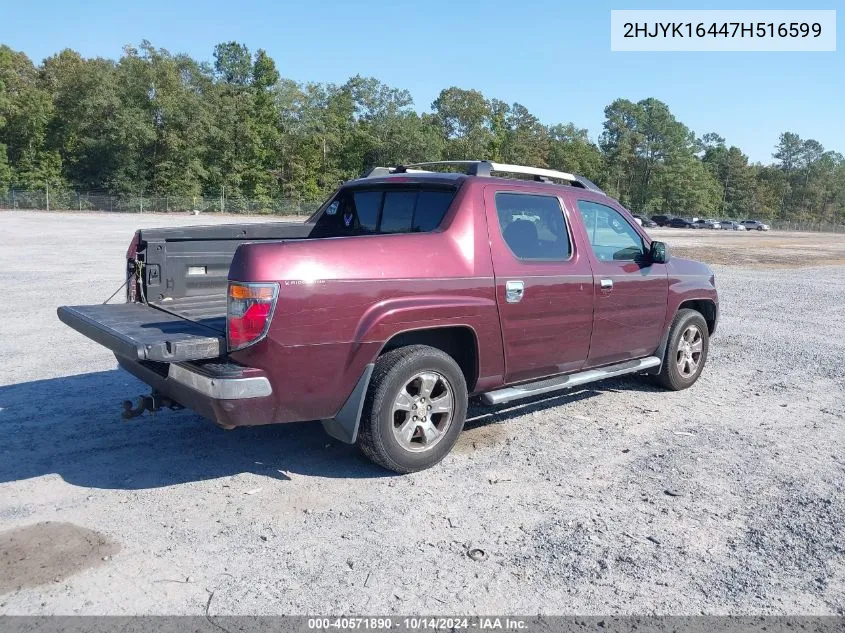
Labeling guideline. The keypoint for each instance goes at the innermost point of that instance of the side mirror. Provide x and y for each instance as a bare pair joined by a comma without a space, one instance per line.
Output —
659,253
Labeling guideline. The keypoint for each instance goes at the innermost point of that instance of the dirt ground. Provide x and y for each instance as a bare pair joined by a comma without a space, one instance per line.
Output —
756,249
619,498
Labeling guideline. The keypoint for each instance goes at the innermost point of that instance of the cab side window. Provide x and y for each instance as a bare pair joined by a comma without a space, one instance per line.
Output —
533,226
610,234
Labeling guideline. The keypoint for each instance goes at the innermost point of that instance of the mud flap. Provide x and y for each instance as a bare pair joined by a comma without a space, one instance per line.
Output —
344,426
660,352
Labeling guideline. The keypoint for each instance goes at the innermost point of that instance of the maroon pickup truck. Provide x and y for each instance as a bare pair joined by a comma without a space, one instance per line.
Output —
409,291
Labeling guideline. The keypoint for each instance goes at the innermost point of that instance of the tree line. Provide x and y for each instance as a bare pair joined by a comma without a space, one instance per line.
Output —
155,123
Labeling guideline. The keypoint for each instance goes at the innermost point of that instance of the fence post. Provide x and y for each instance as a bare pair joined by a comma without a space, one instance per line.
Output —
47,186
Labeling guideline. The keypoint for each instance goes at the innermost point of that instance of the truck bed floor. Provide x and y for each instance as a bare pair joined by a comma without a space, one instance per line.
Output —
208,310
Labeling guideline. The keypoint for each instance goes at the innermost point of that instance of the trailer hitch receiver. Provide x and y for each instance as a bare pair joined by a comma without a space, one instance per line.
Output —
153,402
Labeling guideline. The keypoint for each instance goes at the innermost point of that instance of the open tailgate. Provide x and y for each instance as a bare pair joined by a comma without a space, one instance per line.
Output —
135,330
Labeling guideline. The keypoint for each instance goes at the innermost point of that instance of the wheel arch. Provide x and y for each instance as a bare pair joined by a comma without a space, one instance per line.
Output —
706,307
458,341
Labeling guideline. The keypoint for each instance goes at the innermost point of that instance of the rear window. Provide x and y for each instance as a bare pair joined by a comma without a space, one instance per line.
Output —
383,210
365,205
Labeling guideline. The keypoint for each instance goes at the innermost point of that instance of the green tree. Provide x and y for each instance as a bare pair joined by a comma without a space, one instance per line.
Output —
526,140
770,188
640,140
684,186
736,179
244,134
619,143
156,123
464,118
788,151
27,113
232,63
386,130
571,150
5,168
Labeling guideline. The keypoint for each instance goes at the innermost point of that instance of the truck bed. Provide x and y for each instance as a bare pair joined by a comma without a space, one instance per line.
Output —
187,268
207,310
180,310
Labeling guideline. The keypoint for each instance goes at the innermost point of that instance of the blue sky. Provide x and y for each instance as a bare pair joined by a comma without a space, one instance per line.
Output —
552,56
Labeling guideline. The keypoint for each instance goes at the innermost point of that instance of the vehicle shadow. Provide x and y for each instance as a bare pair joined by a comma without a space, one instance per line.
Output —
71,426
480,414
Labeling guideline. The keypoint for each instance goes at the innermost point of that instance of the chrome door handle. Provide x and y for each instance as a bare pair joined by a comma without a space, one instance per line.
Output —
514,290
607,284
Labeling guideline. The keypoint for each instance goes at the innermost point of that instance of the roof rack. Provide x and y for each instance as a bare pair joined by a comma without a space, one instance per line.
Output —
486,168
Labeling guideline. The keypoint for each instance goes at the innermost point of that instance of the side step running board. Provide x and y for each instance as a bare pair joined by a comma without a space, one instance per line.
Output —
527,390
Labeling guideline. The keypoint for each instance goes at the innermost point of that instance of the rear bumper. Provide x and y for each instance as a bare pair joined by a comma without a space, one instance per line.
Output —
220,388
227,394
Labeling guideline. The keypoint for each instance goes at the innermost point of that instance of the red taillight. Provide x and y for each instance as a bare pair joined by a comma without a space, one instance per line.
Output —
248,311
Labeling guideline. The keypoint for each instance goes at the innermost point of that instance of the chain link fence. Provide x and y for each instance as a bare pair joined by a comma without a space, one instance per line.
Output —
64,200
820,227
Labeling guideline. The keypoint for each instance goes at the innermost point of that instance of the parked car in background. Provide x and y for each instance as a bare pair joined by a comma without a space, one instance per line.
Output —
707,224
661,220
680,223
731,225
349,319
643,221
755,225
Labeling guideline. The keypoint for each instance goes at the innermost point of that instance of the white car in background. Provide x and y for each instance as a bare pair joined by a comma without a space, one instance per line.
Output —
730,225
755,225
706,224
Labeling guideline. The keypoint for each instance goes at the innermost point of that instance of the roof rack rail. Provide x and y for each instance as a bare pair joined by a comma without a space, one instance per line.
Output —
487,167
380,172
377,172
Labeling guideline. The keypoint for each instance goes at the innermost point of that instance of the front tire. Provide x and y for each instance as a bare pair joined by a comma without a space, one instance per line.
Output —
686,351
414,410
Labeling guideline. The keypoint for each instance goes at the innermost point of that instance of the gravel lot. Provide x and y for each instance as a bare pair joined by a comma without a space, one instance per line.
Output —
727,498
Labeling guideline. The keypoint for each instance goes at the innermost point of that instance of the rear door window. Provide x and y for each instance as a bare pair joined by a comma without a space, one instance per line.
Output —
533,226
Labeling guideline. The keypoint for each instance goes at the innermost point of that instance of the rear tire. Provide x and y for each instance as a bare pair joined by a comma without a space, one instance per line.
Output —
414,410
686,351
